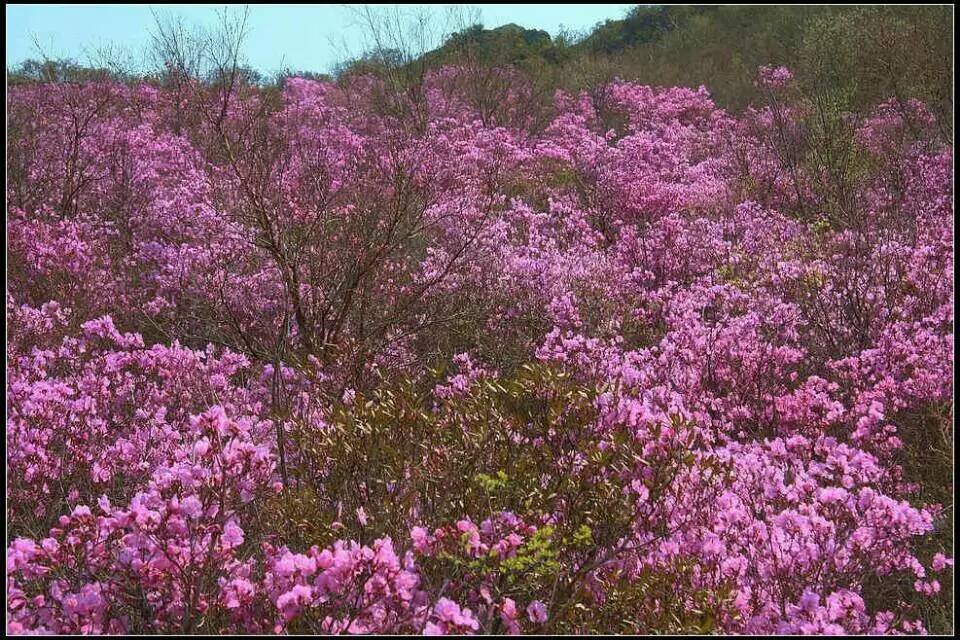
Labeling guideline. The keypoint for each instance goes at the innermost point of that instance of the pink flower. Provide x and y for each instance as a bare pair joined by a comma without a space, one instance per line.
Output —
941,562
232,535
537,612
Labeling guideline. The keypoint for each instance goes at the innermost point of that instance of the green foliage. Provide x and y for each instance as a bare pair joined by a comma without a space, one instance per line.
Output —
506,443
508,45
870,54
32,71
632,603
927,459
453,460
492,484
535,560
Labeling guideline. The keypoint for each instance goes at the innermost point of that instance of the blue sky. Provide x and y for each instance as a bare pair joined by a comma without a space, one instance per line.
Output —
308,38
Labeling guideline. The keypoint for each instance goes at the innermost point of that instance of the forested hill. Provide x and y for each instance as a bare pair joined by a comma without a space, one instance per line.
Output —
860,54
865,53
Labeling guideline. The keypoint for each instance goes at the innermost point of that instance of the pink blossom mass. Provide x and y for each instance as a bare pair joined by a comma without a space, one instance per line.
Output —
329,357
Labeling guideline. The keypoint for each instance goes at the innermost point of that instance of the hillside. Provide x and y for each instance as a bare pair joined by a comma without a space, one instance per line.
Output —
864,53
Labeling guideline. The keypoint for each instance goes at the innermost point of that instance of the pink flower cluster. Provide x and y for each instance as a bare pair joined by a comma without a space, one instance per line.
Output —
184,291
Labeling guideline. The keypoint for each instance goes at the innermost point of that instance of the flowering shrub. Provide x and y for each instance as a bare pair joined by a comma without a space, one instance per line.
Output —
342,359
